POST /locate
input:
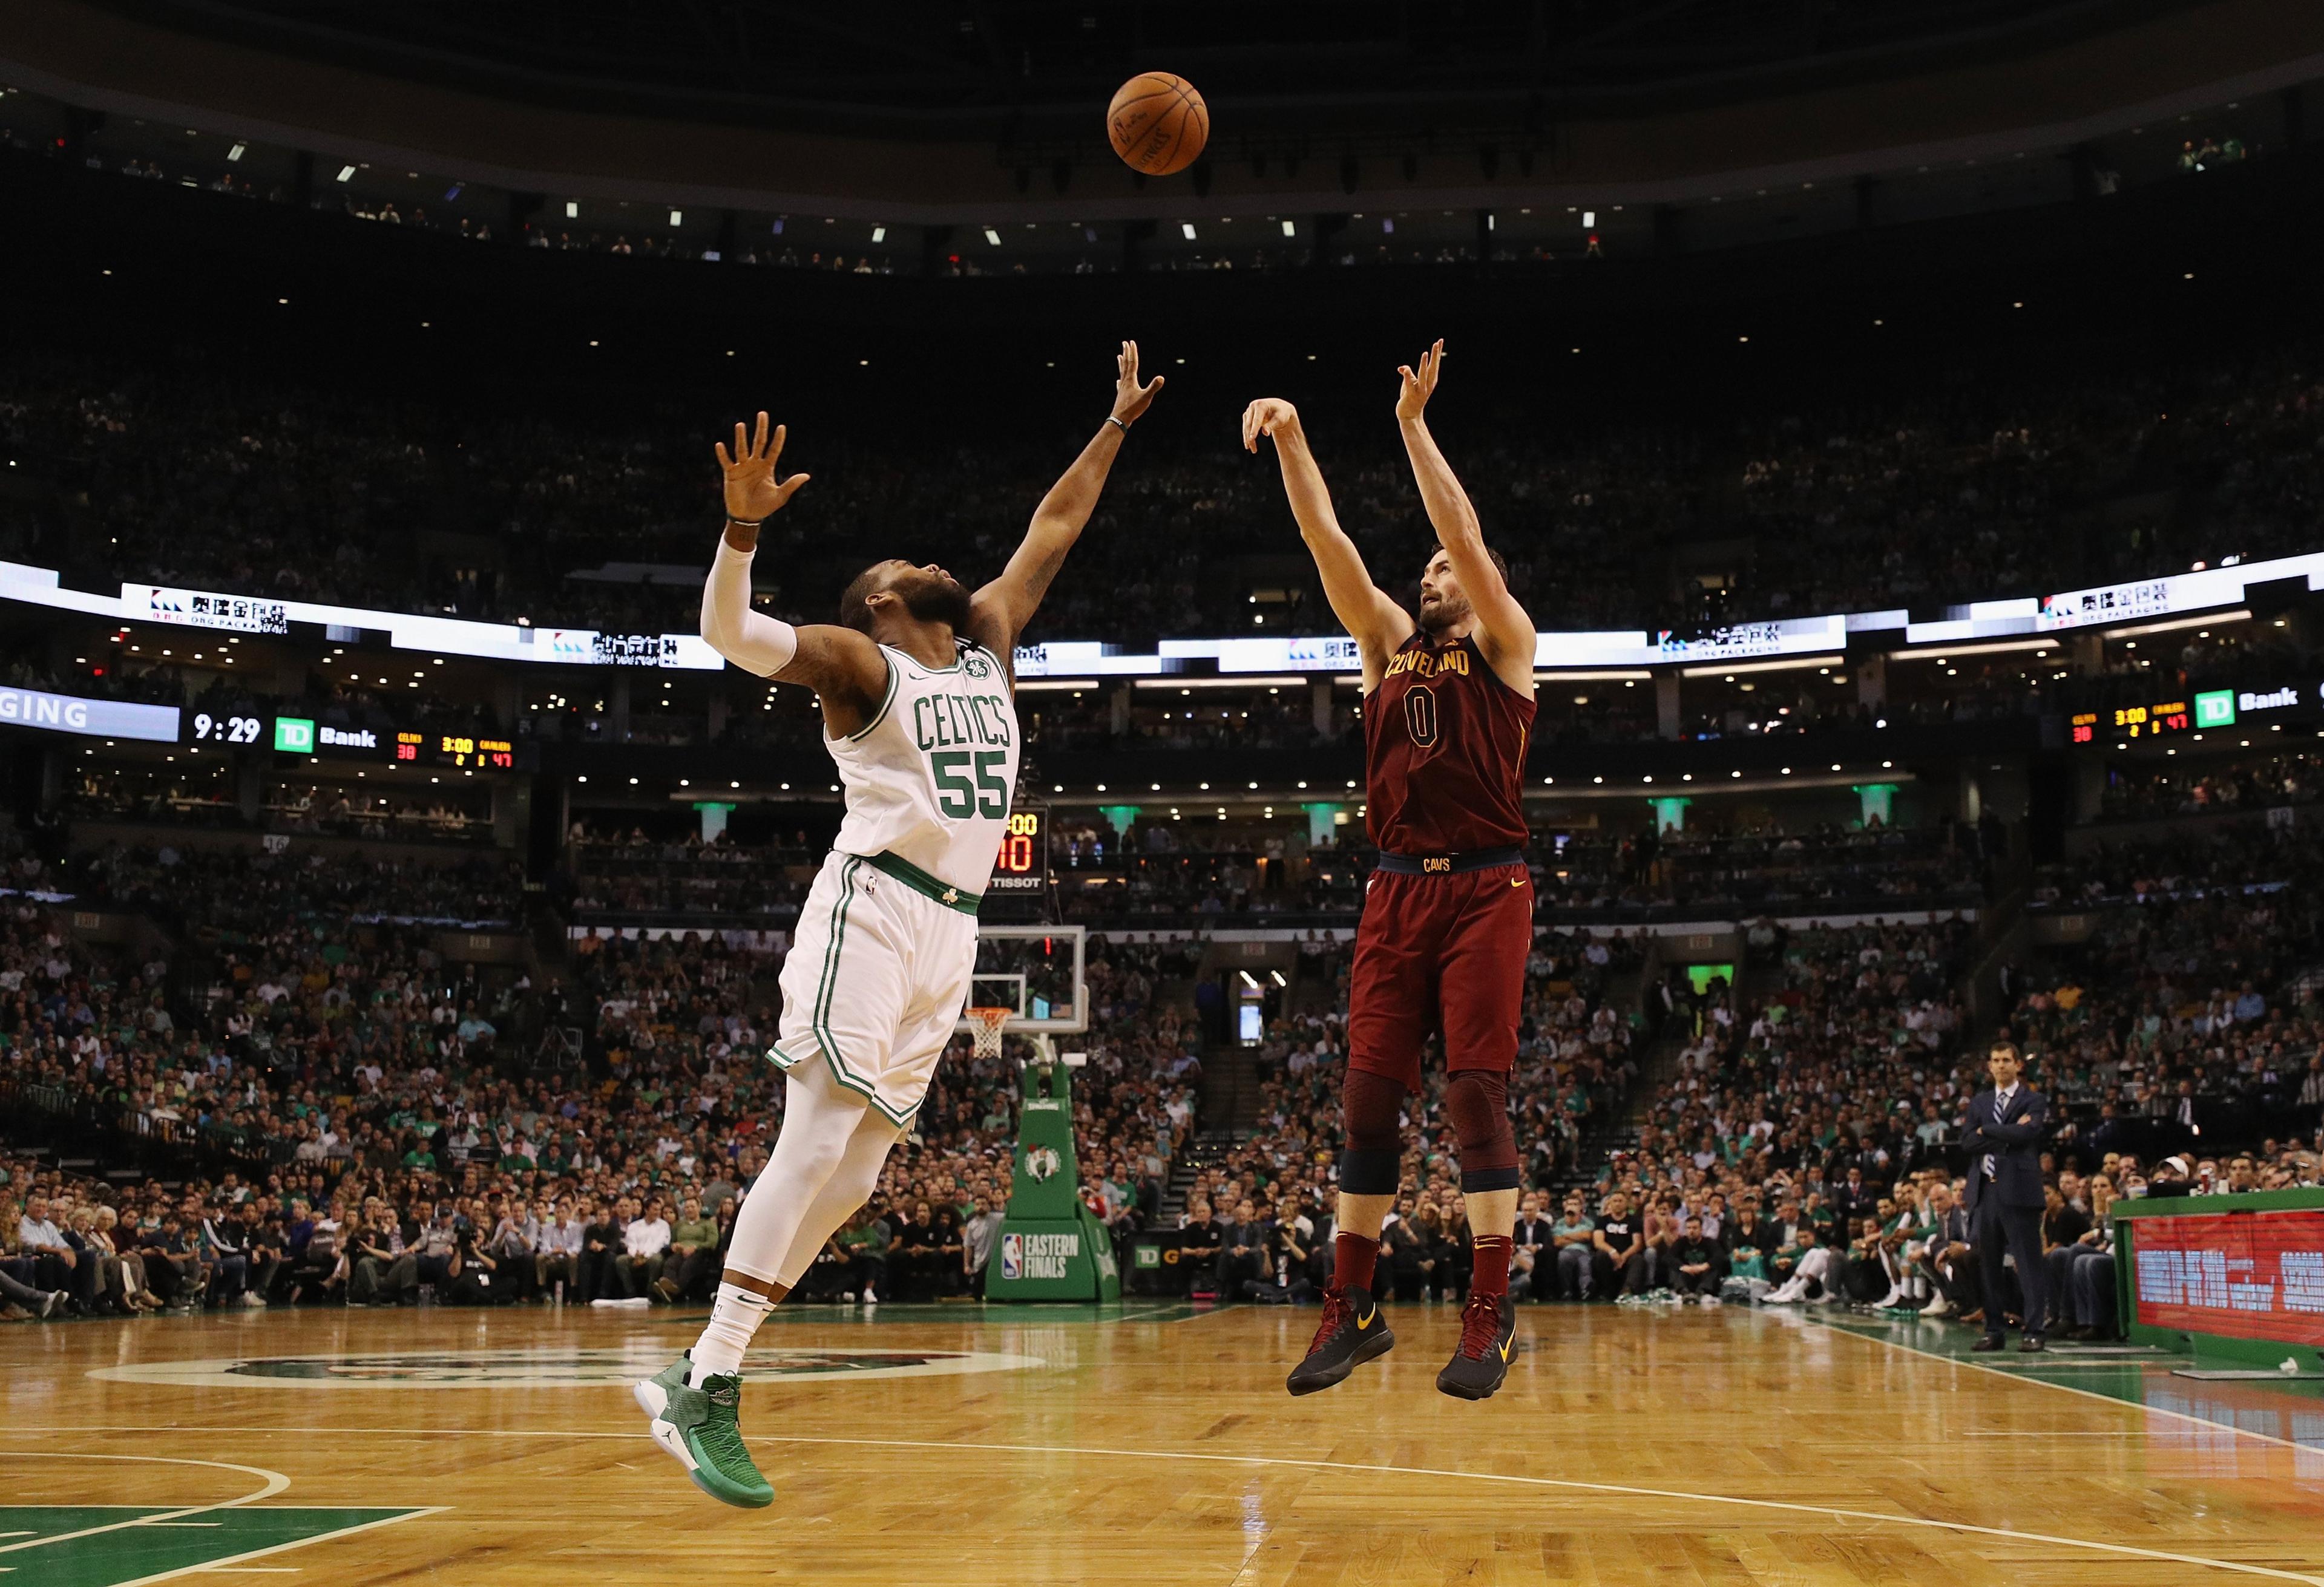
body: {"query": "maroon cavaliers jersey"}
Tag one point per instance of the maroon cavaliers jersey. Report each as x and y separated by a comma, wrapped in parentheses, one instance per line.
(1444, 744)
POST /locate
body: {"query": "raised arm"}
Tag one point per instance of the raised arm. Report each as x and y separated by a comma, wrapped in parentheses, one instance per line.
(999, 611)
(1375, 621)
(1504, 632)
(845, 668)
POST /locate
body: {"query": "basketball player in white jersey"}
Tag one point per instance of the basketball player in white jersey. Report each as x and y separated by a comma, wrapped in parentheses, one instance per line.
(916, 687)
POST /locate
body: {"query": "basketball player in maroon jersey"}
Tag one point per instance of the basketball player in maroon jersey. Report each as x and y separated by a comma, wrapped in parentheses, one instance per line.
(1448, 914)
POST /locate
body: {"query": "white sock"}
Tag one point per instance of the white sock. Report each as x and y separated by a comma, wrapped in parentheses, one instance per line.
(733, 1321)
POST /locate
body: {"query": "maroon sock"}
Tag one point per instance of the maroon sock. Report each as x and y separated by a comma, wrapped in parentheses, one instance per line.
(1489, 1272)
(1352, 1256)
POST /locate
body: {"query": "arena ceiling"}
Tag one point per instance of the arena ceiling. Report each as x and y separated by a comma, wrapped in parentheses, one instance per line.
(985, 112)
(909, 63)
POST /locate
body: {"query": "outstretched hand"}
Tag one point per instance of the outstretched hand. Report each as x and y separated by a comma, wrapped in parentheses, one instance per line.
(1264, 418)
(1419, 388)
(753, 490)
(1129, 399)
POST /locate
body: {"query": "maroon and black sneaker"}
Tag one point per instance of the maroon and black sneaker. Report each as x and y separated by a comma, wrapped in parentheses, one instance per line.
(1353, 1331)
(1487, 1331)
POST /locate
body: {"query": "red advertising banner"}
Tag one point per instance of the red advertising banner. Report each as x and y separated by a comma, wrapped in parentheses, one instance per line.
(2251, 1275)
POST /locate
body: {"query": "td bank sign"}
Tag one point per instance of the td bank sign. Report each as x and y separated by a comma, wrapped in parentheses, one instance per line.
(2221, 708)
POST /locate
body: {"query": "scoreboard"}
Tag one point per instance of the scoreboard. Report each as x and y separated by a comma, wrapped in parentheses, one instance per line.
(2152, 722)
(458, 749)
(298, 735)
(1022, 864)
(2133, 721)
(2282, 701)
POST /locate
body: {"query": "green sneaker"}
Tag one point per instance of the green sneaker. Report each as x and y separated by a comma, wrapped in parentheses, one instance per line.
(701, 1429)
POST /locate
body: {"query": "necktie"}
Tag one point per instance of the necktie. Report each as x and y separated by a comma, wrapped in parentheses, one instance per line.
(2000, 1101)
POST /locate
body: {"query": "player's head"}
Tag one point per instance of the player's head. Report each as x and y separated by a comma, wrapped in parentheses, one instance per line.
(897, 589)
(1443, 603)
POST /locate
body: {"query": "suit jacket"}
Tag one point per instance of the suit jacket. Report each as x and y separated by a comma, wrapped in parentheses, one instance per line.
(2014, 1138)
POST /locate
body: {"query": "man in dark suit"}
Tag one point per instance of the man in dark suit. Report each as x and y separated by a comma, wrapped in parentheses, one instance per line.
(1244, 1251)
(2004, 1193)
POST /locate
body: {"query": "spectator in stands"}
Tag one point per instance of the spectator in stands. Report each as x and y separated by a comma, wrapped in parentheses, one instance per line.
(1816, 1270)
(1947, 1261)
(55, 1264)
(1530, 1248)
(225, 1252)
(1697, 1264)
(317, 1265)
(1621, 1261)
(1745, 1238)
(173, 1266)
(384, 1270)
(601, 1242)
(2085, 1273)
(693, 1249)
(19, 1267)
(978, 1236)
(948, 1271)
(557, 1249)
(862, 1246)
(124, 1270)
(1574, 1237)
(1243, 1251)
(645, 1248)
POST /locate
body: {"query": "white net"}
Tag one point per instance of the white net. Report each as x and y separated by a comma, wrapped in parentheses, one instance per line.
(985, 1028)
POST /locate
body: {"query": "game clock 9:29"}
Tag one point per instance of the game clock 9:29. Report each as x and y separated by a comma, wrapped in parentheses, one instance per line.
(224, 729)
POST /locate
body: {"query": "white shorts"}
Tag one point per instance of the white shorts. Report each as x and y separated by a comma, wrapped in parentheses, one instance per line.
(875, 983)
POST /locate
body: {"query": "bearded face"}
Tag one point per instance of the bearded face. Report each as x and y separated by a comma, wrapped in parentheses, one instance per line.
(1444, 604)
(932, 596)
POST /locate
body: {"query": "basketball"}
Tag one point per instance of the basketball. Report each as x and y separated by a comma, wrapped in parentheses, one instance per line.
(1158, 124)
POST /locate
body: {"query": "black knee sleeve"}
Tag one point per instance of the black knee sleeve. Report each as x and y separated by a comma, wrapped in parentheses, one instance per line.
(1479, 1103)
(1371, 1104)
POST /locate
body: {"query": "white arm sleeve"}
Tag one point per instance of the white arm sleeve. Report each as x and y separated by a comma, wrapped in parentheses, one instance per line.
(754, 642)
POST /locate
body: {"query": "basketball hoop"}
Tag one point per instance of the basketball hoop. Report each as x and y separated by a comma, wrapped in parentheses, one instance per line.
(984, 1026)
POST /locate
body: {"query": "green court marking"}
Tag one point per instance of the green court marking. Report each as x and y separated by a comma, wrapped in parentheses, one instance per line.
(62, 1545)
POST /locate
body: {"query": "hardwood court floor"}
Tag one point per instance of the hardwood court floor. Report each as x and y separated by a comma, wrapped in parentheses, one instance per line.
(1149, 1444)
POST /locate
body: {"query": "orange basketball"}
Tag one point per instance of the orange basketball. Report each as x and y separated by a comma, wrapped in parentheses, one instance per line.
(1158, 123)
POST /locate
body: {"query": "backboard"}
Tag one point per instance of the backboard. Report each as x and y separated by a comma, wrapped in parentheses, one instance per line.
(1038, 971)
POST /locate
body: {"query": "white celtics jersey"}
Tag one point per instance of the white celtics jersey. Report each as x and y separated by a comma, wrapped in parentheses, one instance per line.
(930, 777)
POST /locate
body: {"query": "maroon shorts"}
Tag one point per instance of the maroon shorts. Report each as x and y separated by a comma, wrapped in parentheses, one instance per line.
(1440, 952)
